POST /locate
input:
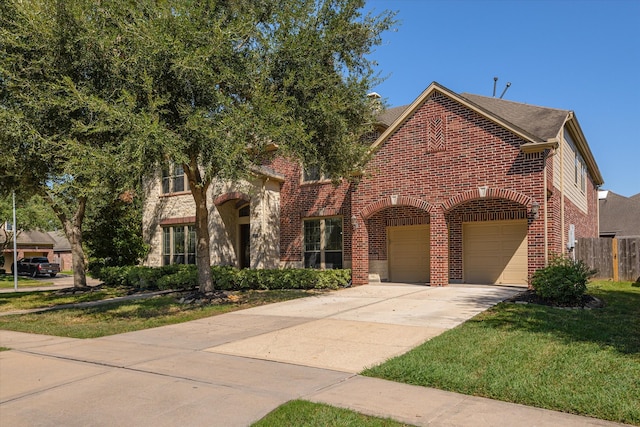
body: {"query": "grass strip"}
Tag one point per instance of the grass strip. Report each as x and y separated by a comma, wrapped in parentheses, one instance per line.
(7, 282)
(12, 301)
(584, 362)
(308, 414)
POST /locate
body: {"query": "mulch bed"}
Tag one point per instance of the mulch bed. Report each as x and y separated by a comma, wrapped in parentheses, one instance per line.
(530, 297)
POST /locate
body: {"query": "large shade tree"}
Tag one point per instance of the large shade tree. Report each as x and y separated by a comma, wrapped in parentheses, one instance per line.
(62, 118)
(217, 81)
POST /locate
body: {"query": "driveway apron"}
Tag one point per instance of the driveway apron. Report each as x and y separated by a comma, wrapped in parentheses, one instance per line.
(230, 369)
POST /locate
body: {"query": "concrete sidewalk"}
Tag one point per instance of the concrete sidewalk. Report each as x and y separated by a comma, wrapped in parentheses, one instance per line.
(232, 369)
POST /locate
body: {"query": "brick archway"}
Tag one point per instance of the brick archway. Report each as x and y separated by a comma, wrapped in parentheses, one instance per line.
(392, 201)
(235, 195)
(490, 193)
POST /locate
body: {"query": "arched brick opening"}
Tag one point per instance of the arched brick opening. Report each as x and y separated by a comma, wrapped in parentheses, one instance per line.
(368, 241)
(392, 201)
(489, 193)
(494, 204)
(234, 195)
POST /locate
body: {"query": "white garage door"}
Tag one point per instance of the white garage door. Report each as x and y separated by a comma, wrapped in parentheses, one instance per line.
(495, 252)
(408, 253)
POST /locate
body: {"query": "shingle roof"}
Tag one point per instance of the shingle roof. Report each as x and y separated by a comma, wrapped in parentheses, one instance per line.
(542, 122)
(388, 116)
(61, 242)
(619, 215)
(33, 238)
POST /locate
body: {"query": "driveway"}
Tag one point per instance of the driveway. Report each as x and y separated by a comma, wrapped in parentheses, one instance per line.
(234, 368)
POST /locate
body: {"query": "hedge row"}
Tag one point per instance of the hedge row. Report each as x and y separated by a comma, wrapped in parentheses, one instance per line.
(178, 276)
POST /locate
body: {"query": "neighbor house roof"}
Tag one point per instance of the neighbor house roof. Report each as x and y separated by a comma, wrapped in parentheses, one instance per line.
(61, 242)
(33, 238)
(619, 215)
(539, 126)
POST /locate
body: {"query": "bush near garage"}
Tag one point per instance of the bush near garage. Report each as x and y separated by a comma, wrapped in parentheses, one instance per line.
(180, 276)
(563, 281)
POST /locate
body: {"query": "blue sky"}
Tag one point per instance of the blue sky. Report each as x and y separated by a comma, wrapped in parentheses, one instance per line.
(579, 55)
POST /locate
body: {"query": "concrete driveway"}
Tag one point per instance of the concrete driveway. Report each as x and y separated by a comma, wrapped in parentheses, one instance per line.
(232, 369)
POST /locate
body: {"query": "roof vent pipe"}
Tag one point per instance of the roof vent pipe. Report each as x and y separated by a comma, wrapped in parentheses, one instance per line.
(505, 89)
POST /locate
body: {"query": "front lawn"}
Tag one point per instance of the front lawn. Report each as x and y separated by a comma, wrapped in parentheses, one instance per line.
(303, 413)
(579, 361)
(126, 316)
(6, 282)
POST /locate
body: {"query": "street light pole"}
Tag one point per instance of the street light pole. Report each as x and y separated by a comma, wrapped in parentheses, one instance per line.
(15, 246)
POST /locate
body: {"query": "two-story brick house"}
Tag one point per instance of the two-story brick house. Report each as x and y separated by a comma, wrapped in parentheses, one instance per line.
(460, 189)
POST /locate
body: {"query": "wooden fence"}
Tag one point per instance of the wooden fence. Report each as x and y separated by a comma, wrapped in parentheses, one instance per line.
(617, 259)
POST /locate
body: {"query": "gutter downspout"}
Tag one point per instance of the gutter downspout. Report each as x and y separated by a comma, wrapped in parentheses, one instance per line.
(551, 153)
(562, 237)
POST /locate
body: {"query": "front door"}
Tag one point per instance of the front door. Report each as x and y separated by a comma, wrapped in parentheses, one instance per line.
(245, 246)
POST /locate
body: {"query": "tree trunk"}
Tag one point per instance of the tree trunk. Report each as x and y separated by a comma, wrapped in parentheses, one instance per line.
(203, 259)
(73, 232)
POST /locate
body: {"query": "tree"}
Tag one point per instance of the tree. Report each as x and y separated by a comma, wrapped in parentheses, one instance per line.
(61, 117)
(114, 232)
(31, 214)
(217, 81)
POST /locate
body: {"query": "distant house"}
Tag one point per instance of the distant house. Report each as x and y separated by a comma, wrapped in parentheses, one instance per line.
(61, 250)
(29, 244)
(619, 215)
(460, 188)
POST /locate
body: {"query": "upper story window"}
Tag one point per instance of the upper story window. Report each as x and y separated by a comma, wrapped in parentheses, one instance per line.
(311, 173)
(174, 180)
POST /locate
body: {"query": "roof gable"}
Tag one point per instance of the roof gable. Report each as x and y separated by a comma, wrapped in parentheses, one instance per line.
(537, 126)
(403, 113)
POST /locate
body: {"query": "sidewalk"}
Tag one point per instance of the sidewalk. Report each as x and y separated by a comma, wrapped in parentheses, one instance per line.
(232, 369)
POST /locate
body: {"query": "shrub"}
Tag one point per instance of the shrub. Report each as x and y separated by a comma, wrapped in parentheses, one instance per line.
(184, 278)
(563, 280)
(180, 276)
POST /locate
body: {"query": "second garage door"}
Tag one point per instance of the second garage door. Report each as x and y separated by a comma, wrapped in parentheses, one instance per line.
(409, 253)
(495, 252)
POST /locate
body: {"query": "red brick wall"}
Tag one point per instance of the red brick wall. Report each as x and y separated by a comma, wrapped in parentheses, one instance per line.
(299, 200)
(444, 150)
(434, 162)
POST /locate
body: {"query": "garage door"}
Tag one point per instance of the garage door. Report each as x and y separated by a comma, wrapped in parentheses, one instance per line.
(408, 253)
(495, 252)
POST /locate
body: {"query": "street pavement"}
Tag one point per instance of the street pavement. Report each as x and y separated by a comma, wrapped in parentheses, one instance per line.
(233, 369)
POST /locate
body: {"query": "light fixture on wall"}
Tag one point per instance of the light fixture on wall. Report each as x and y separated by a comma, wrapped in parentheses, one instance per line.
(535, 208)
(354, 221)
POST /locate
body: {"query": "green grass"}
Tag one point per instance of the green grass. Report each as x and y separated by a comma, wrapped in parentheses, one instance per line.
(303, 413)
(6, 282)
(578, 361)
(12, 301)
(127, 316)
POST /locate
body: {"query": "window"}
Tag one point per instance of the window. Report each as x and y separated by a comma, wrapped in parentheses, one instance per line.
(174, 180)
(311, 173)
(179, 245)
(323, 243)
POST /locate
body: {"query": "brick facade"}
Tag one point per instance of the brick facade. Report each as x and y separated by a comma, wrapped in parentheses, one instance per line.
(445, 162)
